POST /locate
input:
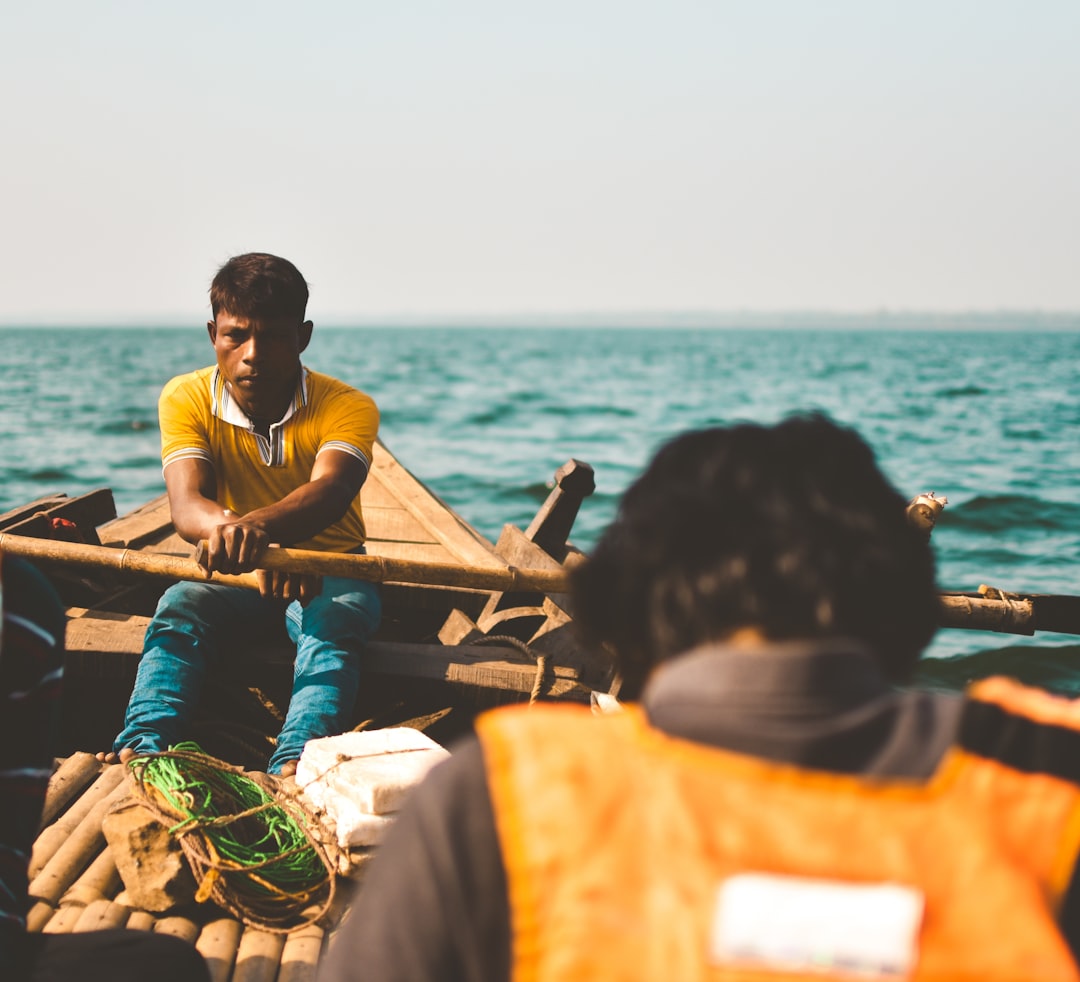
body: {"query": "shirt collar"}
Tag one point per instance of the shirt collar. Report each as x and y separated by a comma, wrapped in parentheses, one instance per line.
(824, 705)
(839, 670)
(749, 698)
(224, 406)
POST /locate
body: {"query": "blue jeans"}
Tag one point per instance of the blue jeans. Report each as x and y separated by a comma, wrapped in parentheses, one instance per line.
(198, 624)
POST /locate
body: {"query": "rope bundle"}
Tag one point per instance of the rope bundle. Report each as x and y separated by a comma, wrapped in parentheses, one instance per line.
(251, 852)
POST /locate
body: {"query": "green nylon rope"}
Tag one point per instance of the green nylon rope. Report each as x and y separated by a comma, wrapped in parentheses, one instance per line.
(248, 852)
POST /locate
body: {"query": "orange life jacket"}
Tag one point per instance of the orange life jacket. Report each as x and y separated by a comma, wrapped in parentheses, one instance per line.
(620, 841)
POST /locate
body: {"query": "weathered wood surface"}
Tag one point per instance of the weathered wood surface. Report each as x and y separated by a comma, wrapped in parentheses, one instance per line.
(550, 529)
(78, 517)
(396, 495)
(62, 829)
(119, 638)
(988, 614)
(1010, 613)
(71, 778)
(379, 569)
(75, 852)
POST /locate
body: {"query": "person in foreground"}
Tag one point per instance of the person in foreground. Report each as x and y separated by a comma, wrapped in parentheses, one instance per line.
(31, 677)
(772, 800)
(259, 450)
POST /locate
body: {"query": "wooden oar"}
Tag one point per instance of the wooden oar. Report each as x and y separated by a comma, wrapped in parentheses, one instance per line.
(381, 569)
(377, 569)
(1015, 614)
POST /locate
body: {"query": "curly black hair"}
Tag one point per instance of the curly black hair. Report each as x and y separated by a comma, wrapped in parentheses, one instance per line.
(791, 529)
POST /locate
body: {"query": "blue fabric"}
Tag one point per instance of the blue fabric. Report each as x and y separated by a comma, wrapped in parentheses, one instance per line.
(198, 624)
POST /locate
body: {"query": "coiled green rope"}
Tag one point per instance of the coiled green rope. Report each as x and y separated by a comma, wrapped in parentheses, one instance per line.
(251, 852)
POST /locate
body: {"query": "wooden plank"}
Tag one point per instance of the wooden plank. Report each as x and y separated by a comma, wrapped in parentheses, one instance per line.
(376, 494)
(86, 512)
(99, 630)
(24, 512)
(464, 542)
(420, 552)
(150, 522)
(395, 525)
(485, 666)
(171, 545)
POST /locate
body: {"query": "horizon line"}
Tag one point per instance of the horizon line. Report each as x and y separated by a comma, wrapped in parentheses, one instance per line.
(658, 318)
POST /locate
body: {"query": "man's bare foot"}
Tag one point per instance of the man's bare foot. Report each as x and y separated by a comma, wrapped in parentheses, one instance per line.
(110, 757)
(288, 769)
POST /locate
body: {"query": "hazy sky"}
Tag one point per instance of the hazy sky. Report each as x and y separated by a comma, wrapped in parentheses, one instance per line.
(447, 158)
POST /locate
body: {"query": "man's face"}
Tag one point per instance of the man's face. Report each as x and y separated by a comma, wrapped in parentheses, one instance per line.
(260, 360)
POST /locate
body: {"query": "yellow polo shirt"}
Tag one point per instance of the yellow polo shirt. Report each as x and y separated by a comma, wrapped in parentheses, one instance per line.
(199, 419)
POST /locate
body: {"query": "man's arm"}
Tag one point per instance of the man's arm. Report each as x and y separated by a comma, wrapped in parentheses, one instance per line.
(236, 543)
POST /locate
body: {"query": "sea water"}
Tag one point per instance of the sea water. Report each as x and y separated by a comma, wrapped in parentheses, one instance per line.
(484, 416)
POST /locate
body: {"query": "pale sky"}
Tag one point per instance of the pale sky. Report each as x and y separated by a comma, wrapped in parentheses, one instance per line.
(444, 159)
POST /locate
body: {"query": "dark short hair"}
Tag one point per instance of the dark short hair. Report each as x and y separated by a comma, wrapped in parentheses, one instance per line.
(791, 529)
(258, 285)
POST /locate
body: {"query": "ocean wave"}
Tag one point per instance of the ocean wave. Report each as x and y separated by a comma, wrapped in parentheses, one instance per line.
(841, 368)
(961, 392)
(1054, 668)
(588, 411)
(1004, 512)
(120, 427)
(1011, 433)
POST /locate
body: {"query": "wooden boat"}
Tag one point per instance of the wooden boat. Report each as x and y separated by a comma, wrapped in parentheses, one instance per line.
(445, 651)
(448, 647)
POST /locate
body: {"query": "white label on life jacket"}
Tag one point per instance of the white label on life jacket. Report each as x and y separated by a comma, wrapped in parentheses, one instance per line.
(794, 924)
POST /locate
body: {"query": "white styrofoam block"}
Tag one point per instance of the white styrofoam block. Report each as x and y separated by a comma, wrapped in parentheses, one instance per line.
(370, 769)
(355, 828)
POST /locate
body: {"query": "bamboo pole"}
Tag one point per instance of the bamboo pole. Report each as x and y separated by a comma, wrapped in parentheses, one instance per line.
(378, 569)
(217, 943)
(140, 920)
(64, 920)
(383, 569)
(1015, 615)
(300, 956)
(39, 914)
(258, 956)
(178, 926)
(101, 915)
(69, 780)
(75, 854)
(101, 880)
(54, 836)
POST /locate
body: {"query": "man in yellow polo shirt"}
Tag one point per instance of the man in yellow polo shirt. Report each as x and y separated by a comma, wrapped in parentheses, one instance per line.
(258, 449)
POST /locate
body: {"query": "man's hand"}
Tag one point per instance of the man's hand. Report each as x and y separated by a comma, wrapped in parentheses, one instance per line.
(281, 585)
(234, 547)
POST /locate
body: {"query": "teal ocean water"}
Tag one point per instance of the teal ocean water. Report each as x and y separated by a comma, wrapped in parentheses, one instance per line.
(484, 416)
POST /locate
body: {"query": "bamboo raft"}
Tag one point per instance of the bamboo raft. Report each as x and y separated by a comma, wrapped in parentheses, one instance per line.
(467, 625)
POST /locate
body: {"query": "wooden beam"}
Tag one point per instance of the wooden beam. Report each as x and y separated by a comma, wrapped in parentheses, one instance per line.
(117, 637)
